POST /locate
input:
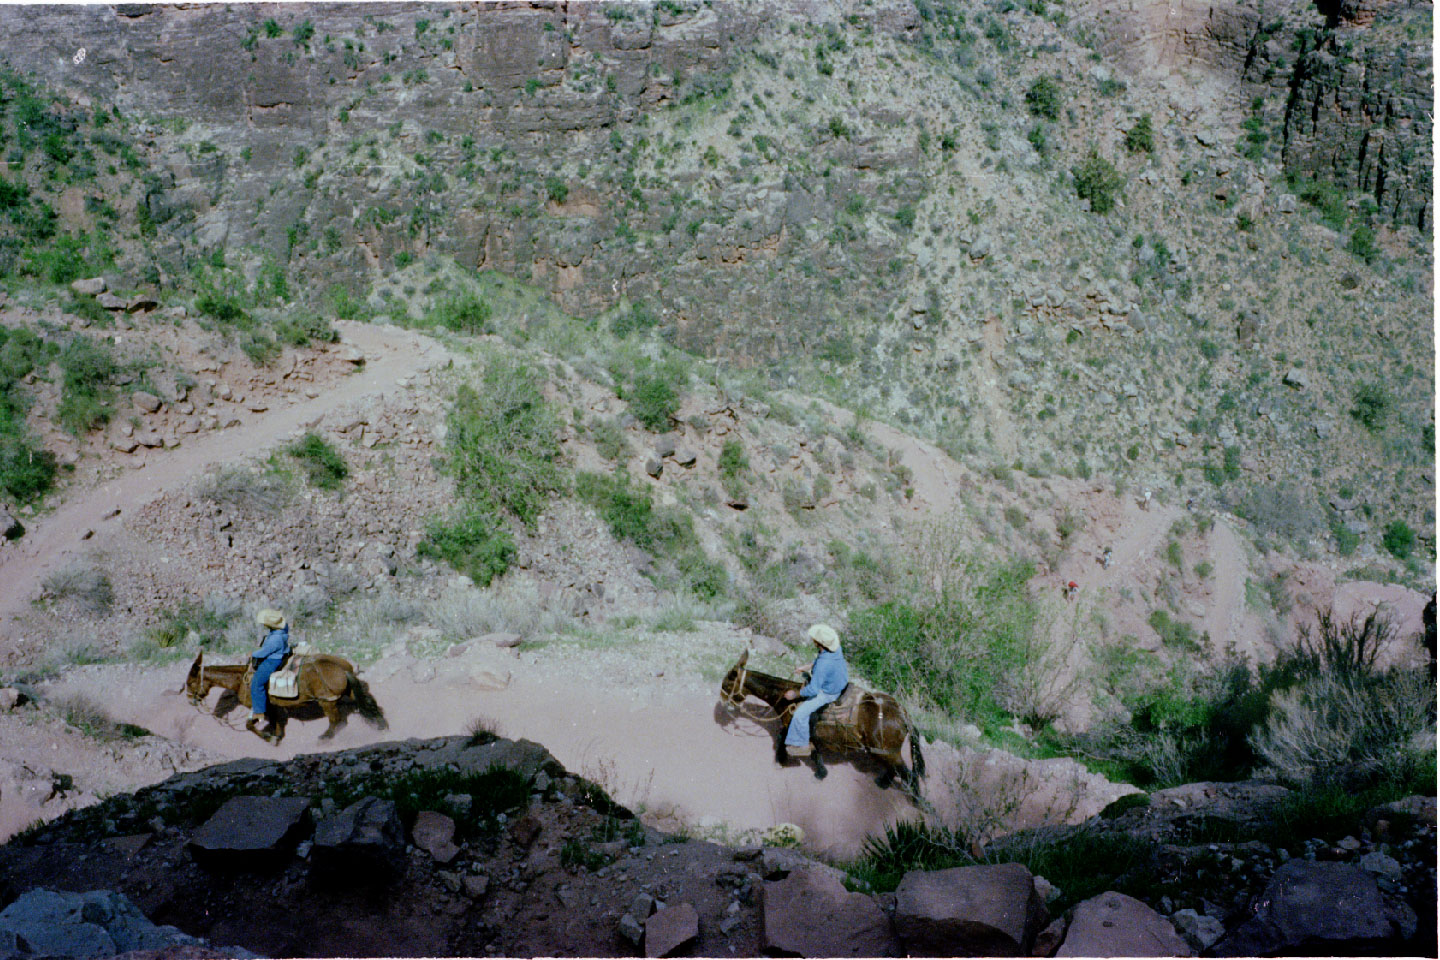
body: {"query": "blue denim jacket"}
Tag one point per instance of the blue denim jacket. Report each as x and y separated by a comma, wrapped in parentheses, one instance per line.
(277, 644)
(828, 675)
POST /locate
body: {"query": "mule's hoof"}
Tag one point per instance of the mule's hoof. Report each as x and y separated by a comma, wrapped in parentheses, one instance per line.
(821, 773)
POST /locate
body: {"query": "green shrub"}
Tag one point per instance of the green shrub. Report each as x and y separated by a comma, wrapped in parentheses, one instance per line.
(556, 189)
(346, 305)
(1097, 180)
(462, 312)
(1141, 137)
(261, 348)
(952, 651)
(1372, 406)
(610, 440)
(502, 444)
(654, 401)
(637, 318)
(178, 623)
(324, 466)
(88, 369)
(474, 543)
(1043, 98)
(299, 330)
(1174, 633)
(732, 464)
(1362, 244)
(90, 309)
(1346, 540)
(1399, 539)
(905, 216)
(63, 261)
(629, 513)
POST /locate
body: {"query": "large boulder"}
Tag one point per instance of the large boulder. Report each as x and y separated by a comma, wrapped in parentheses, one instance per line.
(435, 834)
(811, 914)
(671, 930)
(365, 841)
(246, 831)
(1114, 925)
(990, 910)
(1315, 907)
(45, 923)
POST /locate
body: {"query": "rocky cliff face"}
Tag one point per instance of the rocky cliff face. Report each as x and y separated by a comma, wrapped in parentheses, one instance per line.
(1350, 84)
(340, 138)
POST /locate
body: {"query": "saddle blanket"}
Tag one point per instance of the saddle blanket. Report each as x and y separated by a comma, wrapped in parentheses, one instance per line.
(284, 682)
(839, 716)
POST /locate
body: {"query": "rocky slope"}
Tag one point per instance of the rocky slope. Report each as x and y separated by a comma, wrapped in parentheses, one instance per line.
(481, 847)
(857, 182)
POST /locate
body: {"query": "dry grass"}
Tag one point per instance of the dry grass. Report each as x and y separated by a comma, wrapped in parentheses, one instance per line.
(1334, 720)
(83, 584)
(246, 489)
(512, 606)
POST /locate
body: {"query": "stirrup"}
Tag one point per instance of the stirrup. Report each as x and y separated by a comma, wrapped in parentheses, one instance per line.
(798, 753)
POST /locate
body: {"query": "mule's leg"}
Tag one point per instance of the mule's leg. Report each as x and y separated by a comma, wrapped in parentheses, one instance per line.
(277, 729)
(887, 776)
(781, 757)
(820, 771)
(332, 713)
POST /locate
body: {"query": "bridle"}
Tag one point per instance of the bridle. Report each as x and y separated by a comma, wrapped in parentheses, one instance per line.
(735, 701)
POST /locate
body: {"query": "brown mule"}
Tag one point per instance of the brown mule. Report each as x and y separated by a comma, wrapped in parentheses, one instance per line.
(322, 679)
(875, 725)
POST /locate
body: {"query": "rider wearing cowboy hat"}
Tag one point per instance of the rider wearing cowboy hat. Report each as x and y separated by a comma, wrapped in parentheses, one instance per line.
(828, 677)
(272, 652)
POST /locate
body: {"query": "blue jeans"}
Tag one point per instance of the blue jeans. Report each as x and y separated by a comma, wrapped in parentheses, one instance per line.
(799, 733)
(259, 685)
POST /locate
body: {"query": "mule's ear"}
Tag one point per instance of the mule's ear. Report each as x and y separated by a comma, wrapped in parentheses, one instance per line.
(743, 657)
(199, 656)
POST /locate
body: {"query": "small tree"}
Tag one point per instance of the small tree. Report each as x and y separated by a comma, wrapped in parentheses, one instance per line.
(1097, 180)
(1141, 137)
(1043, 98)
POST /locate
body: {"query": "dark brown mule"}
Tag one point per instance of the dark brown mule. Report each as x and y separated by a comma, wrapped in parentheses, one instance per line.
(322, 680)
(879, 726)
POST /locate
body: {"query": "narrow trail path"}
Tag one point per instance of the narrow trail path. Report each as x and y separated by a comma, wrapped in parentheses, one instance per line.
(391, 354)
(661, 748)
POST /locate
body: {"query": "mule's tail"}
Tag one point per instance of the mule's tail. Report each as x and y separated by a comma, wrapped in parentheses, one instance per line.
(917, 759)
(369, 707)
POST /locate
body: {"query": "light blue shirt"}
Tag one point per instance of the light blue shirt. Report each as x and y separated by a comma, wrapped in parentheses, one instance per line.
(828, 675)
(276, 644)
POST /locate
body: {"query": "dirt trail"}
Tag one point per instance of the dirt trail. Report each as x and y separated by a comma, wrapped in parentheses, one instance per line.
(661, 748)
(392, 354)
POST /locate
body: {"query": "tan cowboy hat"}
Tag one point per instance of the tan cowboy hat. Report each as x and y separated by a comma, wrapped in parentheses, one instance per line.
(825, 636)
(273, 619)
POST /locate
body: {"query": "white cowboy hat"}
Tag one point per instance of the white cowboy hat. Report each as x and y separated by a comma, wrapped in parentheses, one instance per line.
(273, 619)
(826, 636)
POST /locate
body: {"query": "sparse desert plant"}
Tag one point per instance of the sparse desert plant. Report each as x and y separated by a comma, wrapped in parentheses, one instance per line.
(83, 584)
(247, 489)
(1336, 720)
(324, 466)
(1372, 406)
(610, 440)
(482, 730)
(87, 716)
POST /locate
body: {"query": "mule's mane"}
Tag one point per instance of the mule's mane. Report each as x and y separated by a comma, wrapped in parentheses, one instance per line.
(767, 686)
